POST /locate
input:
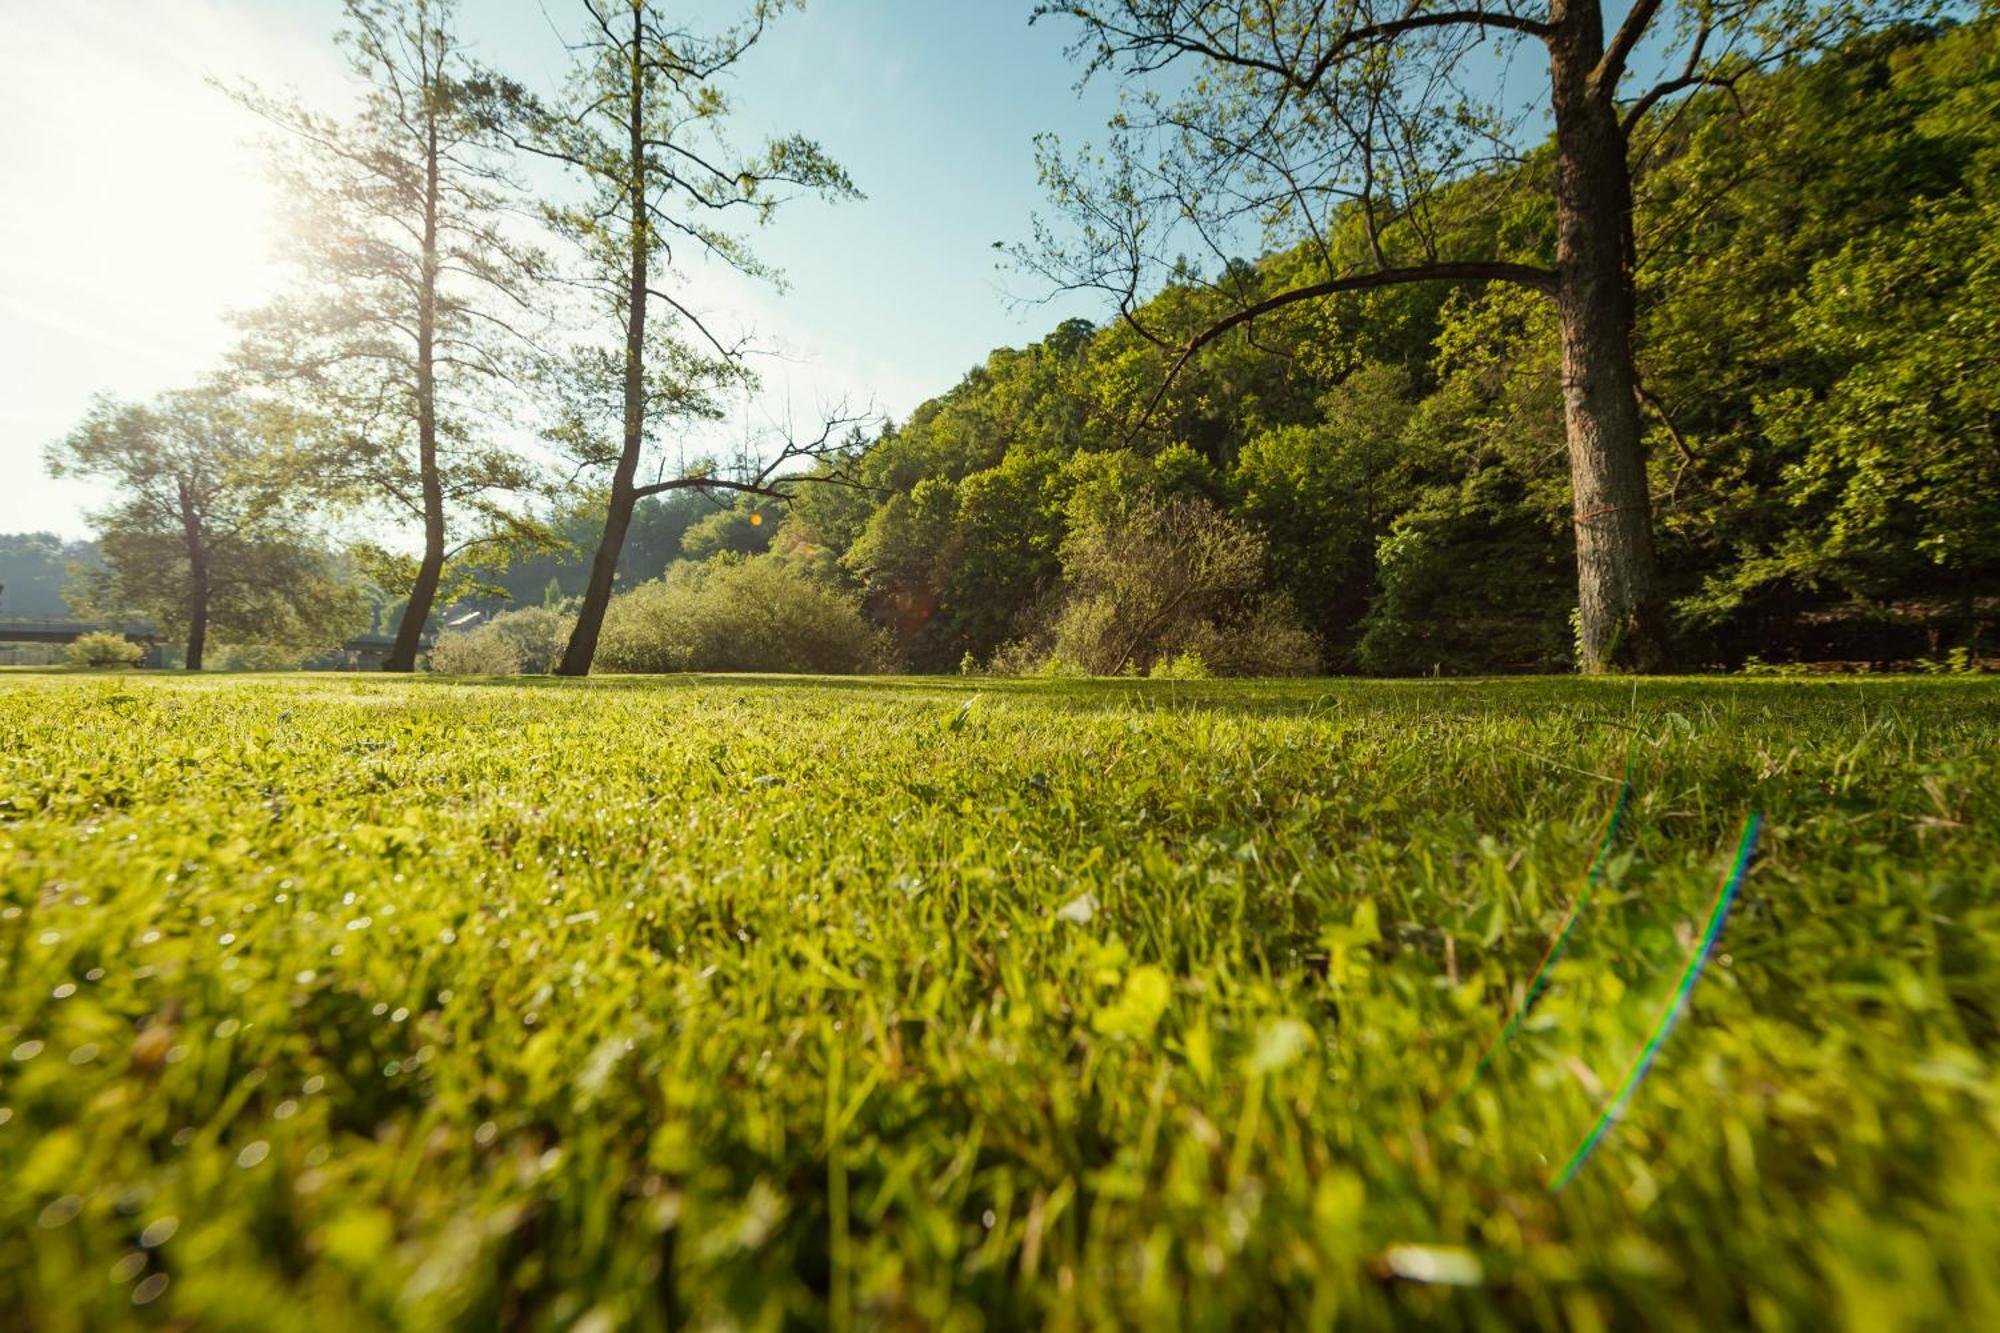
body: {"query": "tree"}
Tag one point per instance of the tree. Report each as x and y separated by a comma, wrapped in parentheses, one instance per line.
(642, 124)
(33, 569)
(409, 320)
(210, 530)
(1348, 130)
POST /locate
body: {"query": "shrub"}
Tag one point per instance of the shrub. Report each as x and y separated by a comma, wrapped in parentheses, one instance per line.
(474, 652)
(1266, 638)
(762, 613)
(537, 634)
(1143, 582)
(101, 648)
(529, 639)
(1172, 582)
(1185, 665)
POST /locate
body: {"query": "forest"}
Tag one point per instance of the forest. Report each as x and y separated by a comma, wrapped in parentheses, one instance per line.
(1372, 483)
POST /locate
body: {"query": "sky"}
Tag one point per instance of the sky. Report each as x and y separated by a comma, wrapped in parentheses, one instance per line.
(135, 213)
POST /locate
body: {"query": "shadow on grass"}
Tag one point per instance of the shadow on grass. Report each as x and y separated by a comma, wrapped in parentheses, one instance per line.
(1326, 695)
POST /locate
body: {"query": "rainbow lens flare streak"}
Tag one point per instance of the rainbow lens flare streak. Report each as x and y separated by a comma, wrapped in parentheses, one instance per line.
(1539, 979)
(1746, 846)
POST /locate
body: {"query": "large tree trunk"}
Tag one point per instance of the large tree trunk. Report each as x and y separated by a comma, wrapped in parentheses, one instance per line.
(582, 646)
(430, 571)
(1623, 622)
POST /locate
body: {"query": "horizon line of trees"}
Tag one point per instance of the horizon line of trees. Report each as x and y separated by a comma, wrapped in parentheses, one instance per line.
(1705, 377)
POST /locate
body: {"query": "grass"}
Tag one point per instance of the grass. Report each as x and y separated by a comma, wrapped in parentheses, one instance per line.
(339, 1002)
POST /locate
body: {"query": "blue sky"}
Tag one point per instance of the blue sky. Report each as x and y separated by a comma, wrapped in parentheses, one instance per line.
(135, 215)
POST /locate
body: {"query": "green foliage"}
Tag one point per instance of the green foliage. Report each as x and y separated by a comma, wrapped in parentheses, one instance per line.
(102, 648)
(360, 1003)
(761, 613)
(743, 529)
(529, 640)
(1815, 309)
(34, 567)
(212, 529)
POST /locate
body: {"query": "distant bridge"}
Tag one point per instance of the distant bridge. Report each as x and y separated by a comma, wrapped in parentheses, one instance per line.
(69, 631)
(365, 652)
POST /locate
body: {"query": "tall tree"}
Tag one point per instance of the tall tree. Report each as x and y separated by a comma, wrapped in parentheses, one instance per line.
(210, 531)
(642, 122)
(410, 316)
(1352, 129)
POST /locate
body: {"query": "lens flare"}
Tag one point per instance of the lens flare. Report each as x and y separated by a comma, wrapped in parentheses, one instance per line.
(1746, 847)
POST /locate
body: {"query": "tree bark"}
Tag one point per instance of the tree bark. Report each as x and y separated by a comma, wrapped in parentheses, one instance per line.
(1621, 615)
(430, 571)
(582, 646)
(199, 587)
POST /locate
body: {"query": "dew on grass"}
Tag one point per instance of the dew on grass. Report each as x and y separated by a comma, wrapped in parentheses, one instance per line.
(159, 1231)
(313, 1084)
(64, 991)
(59, 1212)
(253, 1154)
(128, 1267)
(150, 1290)
(95, 974)
(183, 1136)
(83, 1054)
(27, 1050)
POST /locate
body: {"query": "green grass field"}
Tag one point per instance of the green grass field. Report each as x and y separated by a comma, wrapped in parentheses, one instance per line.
(330, 1002)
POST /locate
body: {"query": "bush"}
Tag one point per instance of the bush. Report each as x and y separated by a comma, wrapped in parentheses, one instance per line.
(474, 652)
(1169, 582)
(1143, 582)
(1268, 638)
(1187, 665)
(537, 634)
(101, 648)
(762, 613)
(530, 639)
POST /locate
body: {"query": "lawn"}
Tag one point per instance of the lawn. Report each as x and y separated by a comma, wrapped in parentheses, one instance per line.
(330, 1002)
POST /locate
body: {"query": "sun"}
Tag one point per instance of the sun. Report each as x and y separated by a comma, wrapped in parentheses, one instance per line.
(142, 211)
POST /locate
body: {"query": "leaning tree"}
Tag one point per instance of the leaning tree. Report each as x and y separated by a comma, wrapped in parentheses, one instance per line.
(642, 123)
(1348, 131)
(417, 295)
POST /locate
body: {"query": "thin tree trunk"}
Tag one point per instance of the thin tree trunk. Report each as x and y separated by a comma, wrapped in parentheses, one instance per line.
(430, 571)
(582, 646)
(1622, 618)
(199, 588)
